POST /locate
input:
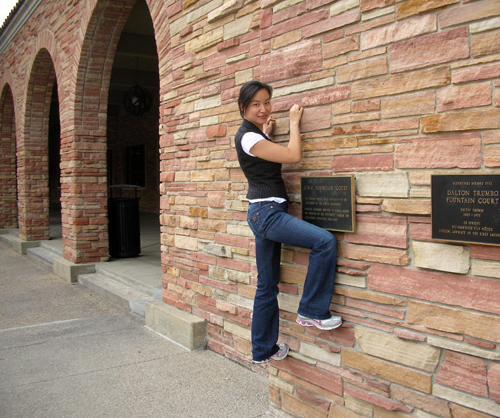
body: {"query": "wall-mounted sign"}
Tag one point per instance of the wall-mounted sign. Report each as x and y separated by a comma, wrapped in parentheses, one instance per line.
(328, 202)
(466, 208)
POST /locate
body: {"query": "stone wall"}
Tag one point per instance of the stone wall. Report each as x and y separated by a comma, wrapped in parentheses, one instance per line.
(393, 92)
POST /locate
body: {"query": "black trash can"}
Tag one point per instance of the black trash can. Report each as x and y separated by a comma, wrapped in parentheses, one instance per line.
(124, 224)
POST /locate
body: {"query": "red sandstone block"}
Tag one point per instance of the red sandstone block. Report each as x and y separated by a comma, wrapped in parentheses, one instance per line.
(485, 72)
(324, 96)
(289, 13)
(379, 162)
(216, 131)
(295, 23)
(232, 240)
(443, 151)
(428, 50)
(311, 374)
(316, 118)
(366, 5)
(378, 400)
(234, 264)
(485, 252)
(386, 231)
(332, 23)
(302, 58)
(494, 382)
(475, 11)
(463, 372)
(450, 289)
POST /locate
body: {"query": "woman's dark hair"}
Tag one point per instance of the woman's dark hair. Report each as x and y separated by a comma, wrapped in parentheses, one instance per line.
(247, 91)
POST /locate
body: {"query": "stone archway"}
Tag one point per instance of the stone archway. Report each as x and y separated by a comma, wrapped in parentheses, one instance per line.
(33, 151)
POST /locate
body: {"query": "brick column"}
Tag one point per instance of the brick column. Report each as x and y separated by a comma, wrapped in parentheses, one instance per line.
(8, 189)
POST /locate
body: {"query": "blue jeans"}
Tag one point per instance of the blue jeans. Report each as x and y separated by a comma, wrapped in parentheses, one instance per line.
(272, 226)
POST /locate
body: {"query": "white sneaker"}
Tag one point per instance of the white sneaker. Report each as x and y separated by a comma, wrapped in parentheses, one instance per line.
(324, 324)
(280, 355)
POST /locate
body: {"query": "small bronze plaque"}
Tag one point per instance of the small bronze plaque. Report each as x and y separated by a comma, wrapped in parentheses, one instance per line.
(328, 202)
(466, 208)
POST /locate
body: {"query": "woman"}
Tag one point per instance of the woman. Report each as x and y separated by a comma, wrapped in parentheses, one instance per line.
(261, 160)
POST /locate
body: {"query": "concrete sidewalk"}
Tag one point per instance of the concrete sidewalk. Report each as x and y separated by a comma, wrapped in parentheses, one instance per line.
(68, 352)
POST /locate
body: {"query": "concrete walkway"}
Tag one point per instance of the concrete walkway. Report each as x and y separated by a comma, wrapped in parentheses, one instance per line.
(67, 352)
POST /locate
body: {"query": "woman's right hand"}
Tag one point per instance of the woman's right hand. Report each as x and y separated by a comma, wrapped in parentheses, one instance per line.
(296, 114)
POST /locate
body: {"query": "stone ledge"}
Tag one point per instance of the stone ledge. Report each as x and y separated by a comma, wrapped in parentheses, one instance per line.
(184, 328)
(69, 271)
(21, 246)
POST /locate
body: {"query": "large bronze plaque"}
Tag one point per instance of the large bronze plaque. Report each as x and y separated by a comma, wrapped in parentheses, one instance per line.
(328, 202)
(466, 208)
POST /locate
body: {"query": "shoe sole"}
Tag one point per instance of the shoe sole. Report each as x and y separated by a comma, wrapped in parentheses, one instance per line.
(308, 324)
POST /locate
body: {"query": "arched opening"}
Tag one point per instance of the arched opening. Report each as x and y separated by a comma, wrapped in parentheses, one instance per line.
(33, 147)
(132, 128)
(8, 180)
(55, 167)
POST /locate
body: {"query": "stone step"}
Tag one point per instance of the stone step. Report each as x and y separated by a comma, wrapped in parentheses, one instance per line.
(118, 292)
(136, 278)
(43, 255)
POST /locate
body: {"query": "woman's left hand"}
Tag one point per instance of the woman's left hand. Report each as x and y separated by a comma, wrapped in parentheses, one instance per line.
(269, 125)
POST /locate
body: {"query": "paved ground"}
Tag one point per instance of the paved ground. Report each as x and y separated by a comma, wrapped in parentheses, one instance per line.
(67, 352)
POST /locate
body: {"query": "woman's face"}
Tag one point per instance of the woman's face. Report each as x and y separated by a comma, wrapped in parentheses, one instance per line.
(259, 109)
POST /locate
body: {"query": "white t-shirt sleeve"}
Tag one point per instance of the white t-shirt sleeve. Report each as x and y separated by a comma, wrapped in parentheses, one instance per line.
(249, 140)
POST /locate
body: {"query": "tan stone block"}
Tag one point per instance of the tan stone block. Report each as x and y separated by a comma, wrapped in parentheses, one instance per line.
(419, 103)
(415, 7)
(382, 185)
(398, 31)
(474, 402)
(463, 120)
(369, 296)
(186, 243)
(280, 384)
(239, 331)
(458, 97)
(350, 280)
(462, 412)
(237, 27)
(362, 69)
(386, 370)
(300, 408)
(401, 83)
(491, 155)
(293, 274)
(443, 257)
(357, 405)
(391, 348)
(486, 268)
(375, 254)
(317, 353)
(379, 412)
(339, 411)
(240, 301)
(462, 348)
(407, 206)
(205, 41)
(340, 47)
(286, 39)
(486, 327)
(288, 302)
(485, 25)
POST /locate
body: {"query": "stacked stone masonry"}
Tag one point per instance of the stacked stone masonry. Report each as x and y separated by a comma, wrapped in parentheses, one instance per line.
(393, 92)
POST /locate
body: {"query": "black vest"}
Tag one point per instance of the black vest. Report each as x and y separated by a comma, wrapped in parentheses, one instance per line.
(264, 177)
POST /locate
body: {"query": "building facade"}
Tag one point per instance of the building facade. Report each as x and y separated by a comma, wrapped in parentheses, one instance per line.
(393, 91)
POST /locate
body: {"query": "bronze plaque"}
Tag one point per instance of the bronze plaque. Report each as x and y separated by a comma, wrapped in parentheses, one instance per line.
(328, 202)
(466, 208)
